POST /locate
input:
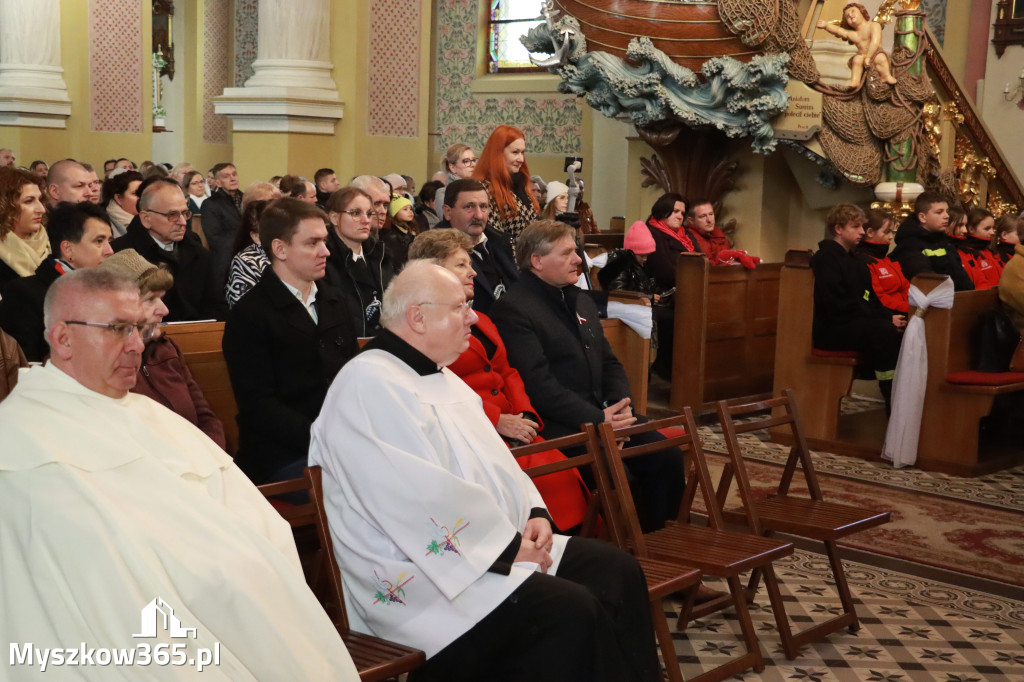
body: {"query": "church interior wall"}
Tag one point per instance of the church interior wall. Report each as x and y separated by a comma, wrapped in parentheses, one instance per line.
(1004, 119)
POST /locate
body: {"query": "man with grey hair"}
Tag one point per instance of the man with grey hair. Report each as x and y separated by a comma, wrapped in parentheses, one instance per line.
(121, 503)
(444, 543)
(160, 236)
(555, 340)
(379, 194)
(67, 180)
(6, 157)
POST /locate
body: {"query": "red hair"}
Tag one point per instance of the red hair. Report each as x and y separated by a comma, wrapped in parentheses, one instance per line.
(490, 167)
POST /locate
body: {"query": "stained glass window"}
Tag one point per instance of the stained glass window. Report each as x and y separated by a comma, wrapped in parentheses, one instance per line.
(511, 19)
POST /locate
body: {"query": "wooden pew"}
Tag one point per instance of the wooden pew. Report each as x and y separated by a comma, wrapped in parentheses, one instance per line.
(725, 327)
(632, 350)
(819, 379)
(200, 344)
(957, 398)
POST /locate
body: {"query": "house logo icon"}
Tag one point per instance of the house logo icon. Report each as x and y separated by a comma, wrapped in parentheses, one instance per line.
(159, 614)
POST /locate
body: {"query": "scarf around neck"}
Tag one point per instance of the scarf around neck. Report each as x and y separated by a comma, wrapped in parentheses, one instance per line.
(25, 255)
(679, 235)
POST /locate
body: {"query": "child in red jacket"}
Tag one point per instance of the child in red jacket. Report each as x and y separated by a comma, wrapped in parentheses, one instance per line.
(980, 262)
(887, 279)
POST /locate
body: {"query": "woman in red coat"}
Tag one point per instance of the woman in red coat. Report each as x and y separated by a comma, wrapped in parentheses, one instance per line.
(484, 367)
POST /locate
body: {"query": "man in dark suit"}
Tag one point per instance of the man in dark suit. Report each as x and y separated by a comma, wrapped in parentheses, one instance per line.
(160, 236)
(284, 341)
(466, 209)
(222, 215)
(554, 338)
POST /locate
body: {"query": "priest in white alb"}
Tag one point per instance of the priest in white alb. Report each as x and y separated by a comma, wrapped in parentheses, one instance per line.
(444, 543)
(115, 511)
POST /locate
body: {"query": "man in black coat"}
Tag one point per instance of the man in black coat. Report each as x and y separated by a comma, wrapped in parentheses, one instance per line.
(222, 215)
(555, 340)
(922, 244)
(79, 238)
(162, 238)
(466, 209)
(847, 314)
(284, 342)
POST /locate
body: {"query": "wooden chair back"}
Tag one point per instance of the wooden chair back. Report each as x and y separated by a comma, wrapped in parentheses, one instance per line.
(376, 659)
(586, 460)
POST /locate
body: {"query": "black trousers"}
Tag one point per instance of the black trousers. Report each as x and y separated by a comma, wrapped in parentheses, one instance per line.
(589, 623)
(877, 338)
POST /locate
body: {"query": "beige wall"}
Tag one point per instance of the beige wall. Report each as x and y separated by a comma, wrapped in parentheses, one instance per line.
(1004, 119)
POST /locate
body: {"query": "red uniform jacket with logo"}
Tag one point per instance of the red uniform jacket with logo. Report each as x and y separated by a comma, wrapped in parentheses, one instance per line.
(887, 280)
(982, 265)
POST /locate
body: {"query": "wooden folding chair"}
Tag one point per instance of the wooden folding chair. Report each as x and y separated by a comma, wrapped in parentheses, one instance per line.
(663, 578)
(714, 550)
(376, 659)
(783, 512)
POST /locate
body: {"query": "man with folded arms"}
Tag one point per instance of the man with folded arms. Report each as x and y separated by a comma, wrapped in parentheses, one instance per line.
(444, 543)
(109, 501)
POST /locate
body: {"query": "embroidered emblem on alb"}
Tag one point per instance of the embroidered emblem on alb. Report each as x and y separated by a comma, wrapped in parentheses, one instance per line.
(445, 539)
(390, 592)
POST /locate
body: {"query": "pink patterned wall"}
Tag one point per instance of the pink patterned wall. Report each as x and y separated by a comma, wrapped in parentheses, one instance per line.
(394, 79)
(217, 62)
(117, 67)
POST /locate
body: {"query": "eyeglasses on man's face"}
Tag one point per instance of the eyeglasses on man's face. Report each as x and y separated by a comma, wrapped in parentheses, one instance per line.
(123, 330)
(172, 216)
(463, 308)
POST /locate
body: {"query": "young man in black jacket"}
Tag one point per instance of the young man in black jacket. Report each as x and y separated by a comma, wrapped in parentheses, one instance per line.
(847, 314)
(284, 342)
(922, 244)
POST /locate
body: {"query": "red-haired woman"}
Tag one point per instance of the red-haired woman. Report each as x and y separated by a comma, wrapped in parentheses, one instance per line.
(503, 170)
(23, 239)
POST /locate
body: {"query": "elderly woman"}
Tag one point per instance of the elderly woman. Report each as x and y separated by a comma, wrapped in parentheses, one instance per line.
(119, 198)
(164, 376)
(503, 170)
(23, 239)
(484, 367)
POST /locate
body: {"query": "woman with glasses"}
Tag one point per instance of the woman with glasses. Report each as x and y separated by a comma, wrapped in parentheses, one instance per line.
(503, 170)
(24, 243)
(458, 162)
(119, 198)
(163, 375)
(359, 266)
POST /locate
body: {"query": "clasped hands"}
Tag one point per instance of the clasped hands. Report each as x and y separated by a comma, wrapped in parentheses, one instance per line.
(536, 543)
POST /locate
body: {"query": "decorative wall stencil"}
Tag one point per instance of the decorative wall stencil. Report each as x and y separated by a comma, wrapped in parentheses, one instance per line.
(936, 11)
(116, 66)
(216, 69)
(246, 41)
(394, 79)
(551, 126)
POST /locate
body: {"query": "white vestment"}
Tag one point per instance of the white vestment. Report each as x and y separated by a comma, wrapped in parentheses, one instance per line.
(108, 504)
(422, 496)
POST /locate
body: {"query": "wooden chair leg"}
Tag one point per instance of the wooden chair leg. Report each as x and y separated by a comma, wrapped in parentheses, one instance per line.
(842, 587)
(665, 642)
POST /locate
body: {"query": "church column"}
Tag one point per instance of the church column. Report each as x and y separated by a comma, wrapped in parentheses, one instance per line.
(32, 88)
(292, 90)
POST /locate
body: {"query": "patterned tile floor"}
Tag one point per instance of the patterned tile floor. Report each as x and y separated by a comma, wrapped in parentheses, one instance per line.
(911, 630)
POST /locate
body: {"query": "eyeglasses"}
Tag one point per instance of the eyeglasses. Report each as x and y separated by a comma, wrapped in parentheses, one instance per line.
(173, 216)
(468, 162)
(358, 213)
(123, 329)
(462, 308)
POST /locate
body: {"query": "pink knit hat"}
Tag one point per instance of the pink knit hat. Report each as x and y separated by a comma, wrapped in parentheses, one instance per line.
(638, 239)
